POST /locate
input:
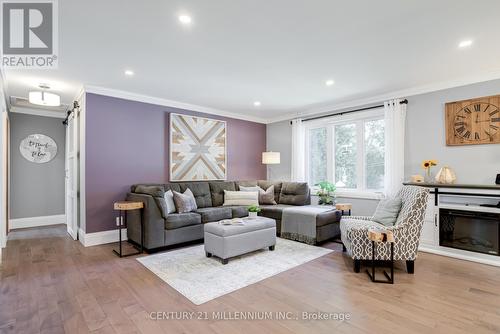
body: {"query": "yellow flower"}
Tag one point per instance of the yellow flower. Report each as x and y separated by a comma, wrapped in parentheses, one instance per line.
(426, 164)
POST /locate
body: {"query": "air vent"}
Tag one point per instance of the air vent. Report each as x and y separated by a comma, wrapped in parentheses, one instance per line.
(21, 102)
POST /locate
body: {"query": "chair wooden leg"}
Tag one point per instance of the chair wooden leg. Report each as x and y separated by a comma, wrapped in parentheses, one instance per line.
(410, 267)
(357, 266)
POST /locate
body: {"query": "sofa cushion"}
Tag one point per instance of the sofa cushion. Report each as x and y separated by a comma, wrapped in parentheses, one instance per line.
(153, 190)
(265, 196)
(172, 186)
(277, 188)
(201, 192)
(178, 220)
(241, 198)
(245, 183)
(134, 187)
(184, 202)
(295, 193)
(217, 191)
(238, 211)
(387, 211)
(273, 211)
(328, 217)
(214, 214)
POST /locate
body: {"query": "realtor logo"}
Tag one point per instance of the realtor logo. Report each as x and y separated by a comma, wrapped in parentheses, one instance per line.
(29, 34)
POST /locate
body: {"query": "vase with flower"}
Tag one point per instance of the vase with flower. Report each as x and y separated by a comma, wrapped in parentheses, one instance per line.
(427, 166)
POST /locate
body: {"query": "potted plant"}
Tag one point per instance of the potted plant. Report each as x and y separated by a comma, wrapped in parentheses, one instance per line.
(326, 193)
(253, 210)
(427, 165)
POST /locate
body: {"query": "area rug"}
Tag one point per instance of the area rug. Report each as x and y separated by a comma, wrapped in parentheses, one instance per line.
(201, 279)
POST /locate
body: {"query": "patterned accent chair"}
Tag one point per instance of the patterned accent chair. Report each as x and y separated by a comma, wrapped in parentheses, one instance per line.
(354, 231)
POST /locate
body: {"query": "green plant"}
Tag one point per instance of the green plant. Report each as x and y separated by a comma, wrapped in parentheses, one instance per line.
(254, 208)
(326, 193)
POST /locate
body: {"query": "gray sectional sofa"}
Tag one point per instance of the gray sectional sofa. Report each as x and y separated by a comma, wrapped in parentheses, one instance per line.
(162, 229)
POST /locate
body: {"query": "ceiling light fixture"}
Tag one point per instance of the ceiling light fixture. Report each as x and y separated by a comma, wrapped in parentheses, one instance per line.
(465, 43)
(129, 73)
(329, 82)
(185, 19)
(257, 103)
(43, 98)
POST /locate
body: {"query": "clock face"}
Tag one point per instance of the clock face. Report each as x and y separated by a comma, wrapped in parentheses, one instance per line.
(477, 122)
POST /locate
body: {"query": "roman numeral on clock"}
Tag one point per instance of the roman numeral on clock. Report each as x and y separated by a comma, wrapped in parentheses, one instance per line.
(459, 123)
(461, 129)
(496, 119)
(494, 127)
(494, 112)
(476, 136)
(467, 134)
(477, 107)
(467, 110)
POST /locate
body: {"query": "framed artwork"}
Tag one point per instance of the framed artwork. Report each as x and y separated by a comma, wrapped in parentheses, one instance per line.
(38, 148)
(197, 148)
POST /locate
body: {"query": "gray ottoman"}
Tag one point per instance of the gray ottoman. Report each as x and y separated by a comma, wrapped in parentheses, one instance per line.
(226, 241)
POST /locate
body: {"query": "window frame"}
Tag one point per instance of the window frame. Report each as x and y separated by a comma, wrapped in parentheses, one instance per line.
(358, 118)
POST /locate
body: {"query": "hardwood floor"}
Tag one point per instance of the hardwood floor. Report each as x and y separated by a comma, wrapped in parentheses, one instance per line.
(52, 284)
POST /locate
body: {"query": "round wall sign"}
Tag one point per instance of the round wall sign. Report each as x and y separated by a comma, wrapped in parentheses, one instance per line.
(38, 148)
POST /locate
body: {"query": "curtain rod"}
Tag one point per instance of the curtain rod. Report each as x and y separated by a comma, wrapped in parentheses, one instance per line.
(350, 111)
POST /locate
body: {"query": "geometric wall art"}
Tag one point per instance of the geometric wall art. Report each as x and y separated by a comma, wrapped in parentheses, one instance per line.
(197, 148)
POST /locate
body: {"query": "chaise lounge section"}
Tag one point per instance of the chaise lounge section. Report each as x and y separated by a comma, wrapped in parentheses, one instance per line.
(163, 229)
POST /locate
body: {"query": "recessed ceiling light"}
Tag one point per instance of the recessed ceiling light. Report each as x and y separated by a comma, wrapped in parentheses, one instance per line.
(329, 82)
(257, 103)
(185, 19)
(465, 43)
(129, 73)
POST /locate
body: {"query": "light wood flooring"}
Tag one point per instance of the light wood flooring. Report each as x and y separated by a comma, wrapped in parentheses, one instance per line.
(52, 284)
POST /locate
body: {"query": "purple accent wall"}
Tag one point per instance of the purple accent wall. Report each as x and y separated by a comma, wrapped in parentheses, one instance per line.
(127, 142)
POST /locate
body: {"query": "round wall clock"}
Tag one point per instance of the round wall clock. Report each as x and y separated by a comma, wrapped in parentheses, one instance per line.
(38, 148)
(473, 121)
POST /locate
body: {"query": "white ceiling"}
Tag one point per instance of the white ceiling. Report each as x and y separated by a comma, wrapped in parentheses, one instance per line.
(279, 52)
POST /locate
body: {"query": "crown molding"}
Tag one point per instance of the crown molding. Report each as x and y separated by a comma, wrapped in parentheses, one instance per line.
(404, 93)
(169, 103)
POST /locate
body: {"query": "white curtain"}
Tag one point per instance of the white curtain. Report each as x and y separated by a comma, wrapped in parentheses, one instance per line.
(298, 151)
(395, 116)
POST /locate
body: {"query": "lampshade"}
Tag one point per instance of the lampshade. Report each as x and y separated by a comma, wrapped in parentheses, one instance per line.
(270, 158)
(42, 98)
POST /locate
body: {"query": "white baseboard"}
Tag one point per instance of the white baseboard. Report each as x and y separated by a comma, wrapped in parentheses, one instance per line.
(491, 260)
(36, 221)
(99, 238)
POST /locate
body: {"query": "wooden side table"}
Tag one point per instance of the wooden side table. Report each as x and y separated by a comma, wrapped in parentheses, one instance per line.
(384, 236)
(344, 207)
(122, 208)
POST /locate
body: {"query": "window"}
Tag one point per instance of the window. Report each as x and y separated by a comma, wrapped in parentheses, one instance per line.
(349, 152)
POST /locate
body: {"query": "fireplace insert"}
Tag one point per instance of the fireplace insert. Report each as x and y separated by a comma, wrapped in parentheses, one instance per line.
(470, 230)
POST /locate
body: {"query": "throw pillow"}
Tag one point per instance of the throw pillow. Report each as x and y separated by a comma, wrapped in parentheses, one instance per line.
(241, 198)
(387, 211)
(169, 200)
(265, 196)
(184, 202)
(155, 191)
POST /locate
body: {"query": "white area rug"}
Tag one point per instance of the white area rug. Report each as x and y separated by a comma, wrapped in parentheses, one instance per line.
(201, 279)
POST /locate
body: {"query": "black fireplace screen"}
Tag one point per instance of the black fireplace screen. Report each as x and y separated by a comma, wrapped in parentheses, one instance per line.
(470, 230)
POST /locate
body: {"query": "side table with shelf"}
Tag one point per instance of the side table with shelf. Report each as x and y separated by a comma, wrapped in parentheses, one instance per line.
(122, 207)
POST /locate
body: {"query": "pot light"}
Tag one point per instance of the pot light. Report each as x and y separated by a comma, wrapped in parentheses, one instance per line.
(465, 43)
(42, 98)
(185, 19)
(329, 82)
(129, 73)
(257, 103)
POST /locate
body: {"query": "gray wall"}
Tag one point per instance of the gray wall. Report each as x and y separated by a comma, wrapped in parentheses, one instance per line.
(36, 189)
(425, 139)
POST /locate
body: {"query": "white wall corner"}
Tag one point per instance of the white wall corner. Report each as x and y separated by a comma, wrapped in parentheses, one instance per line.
(100, 238)
(37, 221)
